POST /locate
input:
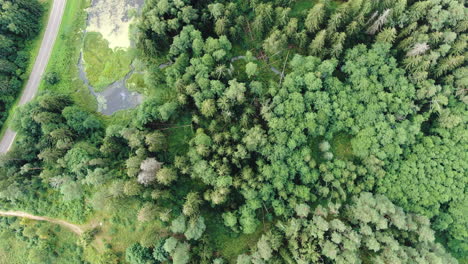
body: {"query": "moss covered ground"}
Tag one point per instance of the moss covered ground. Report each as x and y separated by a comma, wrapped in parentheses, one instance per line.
(104, 65)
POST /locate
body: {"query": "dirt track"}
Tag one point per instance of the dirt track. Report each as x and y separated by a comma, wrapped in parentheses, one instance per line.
(74, 228)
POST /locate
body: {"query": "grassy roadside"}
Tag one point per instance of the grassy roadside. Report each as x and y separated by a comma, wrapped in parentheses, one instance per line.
(32, 47)
(66, 53)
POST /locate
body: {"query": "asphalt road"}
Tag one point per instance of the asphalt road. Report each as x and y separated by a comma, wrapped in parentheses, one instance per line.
(40, 64)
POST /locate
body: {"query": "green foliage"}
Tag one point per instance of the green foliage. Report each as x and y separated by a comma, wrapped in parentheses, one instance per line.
(37, 242)
(170, 245)
(251, 69)
(195, 228)
(136, 82)
(54, 125)
(192, 204)
(166, 175)
(88, 236)
(156, 141)
(167, 110)
(178, 225)
(65, 55)
(19, 18)
(147, 213)
(81, 121)
(181, 254)
(19, 23)
(137, 254)
(370, 226)
(132, 188)
(161, 21)
(159, 254)
(71, 191)
(442, 176)
(331, 103)
(52, 78)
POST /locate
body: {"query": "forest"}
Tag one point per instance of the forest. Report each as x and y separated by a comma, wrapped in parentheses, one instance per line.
(283, 131)
(19, 23)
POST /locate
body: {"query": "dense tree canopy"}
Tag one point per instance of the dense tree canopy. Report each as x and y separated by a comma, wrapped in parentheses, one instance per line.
(19, 22)
(324, 132)
(370, 229)
(384, 116)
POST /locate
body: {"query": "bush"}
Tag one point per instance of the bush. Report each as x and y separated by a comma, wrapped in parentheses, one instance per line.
(52, 78)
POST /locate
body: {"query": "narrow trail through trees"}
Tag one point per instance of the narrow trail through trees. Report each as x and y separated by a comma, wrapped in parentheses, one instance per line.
(74, 228)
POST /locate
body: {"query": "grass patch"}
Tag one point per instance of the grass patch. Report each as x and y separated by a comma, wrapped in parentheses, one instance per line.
(28, 241)
(136, 83)
(233, 247)
(104, 65)
(120, 228)
(12, 250)
(300, 8)
(264, 72)
(341, 146)
(66, 53)
(179, 136)
(228, 243)
(317, 155)
(122, 117)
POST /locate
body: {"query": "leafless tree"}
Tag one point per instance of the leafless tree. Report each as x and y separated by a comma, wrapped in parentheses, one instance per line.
(418, 49)
(379, 22)
(149, 167)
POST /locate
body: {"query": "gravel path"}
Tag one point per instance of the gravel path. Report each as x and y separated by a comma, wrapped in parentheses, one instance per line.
(39, 66)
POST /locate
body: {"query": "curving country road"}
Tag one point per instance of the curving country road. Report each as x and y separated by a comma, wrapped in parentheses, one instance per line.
(40, 64)
(74, 228)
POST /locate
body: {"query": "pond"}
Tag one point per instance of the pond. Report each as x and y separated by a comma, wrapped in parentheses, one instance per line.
(111, 19)
(114, 97)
